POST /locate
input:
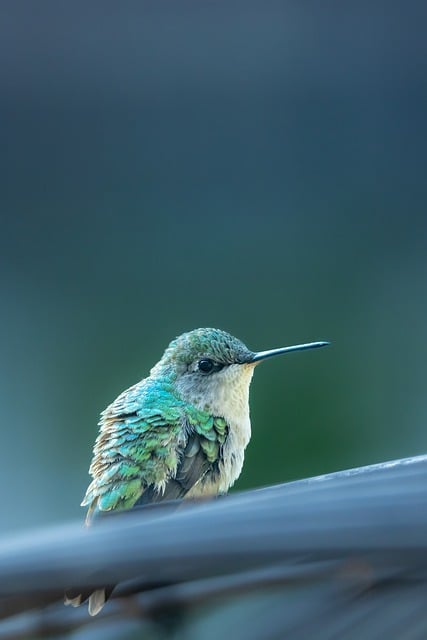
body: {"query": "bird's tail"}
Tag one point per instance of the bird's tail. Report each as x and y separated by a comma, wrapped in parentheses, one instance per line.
(95, 599)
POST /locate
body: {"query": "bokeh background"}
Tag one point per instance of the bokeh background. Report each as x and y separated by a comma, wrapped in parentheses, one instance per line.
(259, 167)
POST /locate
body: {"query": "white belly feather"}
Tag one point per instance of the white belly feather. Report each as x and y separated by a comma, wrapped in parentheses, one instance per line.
(229, 398)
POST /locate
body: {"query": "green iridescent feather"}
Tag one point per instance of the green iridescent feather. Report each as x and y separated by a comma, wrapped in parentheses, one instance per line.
(141, 442)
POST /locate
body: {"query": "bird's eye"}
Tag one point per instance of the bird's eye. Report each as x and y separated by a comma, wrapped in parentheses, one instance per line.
(208, 366)
(205, 365)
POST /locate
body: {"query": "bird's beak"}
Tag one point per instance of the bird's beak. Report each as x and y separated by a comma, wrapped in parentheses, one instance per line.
(263, 355)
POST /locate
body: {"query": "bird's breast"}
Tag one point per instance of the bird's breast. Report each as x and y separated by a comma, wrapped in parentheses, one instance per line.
(230, 463)
(233, 453)
(227, 397)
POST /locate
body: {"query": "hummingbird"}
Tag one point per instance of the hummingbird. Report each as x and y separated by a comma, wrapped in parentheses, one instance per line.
(179, 433)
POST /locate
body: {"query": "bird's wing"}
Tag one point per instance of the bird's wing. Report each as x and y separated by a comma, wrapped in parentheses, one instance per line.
(151, 448)
(199, 457)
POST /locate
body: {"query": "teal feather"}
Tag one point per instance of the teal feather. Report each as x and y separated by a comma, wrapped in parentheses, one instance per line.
(141, 442)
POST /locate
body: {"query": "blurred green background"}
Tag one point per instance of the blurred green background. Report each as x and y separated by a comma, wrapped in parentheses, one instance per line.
(259, 167)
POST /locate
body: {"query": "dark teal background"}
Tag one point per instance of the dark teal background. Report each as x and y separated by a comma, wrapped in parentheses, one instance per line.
(259, 167)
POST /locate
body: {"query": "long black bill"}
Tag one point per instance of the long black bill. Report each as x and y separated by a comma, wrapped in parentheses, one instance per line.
(263, 355)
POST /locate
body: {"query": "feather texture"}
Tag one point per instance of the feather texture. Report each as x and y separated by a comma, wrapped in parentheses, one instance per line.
(152, 446)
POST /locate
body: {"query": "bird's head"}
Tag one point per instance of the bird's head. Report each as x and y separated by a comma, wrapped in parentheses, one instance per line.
(213, 370)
